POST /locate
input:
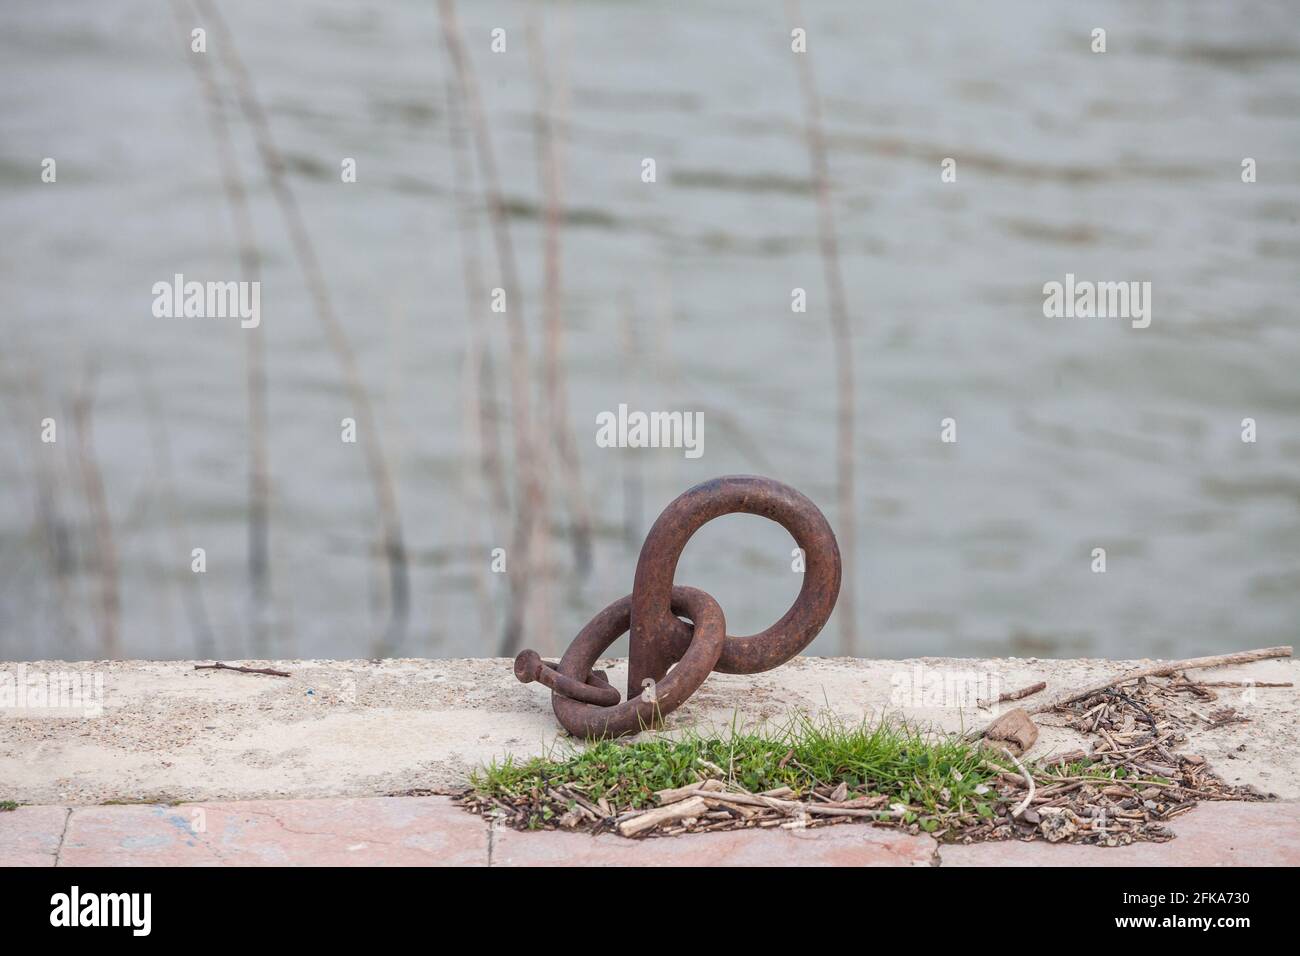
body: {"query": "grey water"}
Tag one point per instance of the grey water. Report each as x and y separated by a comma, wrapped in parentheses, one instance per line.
(1072, 433)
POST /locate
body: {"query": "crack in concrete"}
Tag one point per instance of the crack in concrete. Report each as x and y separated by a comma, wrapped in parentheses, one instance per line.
(58, 850)
(315, 833)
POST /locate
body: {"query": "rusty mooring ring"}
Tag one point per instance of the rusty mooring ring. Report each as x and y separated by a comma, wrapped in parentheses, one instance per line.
(646, 705)
(658, 638)
(582, 698)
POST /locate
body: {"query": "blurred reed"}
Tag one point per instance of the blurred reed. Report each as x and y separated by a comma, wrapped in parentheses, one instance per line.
(530, 491)
(250, 266)
(392, 544)
(92, 479)
(841, 335)
(480, 424)
(555, 390)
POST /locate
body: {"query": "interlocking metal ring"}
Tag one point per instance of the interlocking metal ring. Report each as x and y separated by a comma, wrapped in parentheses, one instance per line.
(583, 700)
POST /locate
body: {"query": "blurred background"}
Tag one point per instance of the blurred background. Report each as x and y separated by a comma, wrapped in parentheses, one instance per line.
(522, 170)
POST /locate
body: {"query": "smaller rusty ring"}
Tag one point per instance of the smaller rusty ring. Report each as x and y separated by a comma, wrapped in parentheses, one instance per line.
(659, 638)
(636, 713)
(595, 689)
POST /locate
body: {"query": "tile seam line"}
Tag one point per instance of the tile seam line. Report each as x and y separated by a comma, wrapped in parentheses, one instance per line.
(63, 835)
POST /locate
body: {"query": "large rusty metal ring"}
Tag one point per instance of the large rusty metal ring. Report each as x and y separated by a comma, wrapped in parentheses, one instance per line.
(659, 638)
(645, 705)
(583, 700)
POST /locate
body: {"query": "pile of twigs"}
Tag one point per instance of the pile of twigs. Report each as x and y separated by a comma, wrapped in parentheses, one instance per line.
(1131, 783)
(709, 804)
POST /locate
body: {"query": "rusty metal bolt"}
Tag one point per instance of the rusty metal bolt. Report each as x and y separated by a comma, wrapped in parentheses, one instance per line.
(596, 689)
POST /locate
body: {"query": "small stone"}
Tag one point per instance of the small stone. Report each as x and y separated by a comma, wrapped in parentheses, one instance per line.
(571, 819)
(1031, 816)
(1014, 726)
(1194, 759)
(1059, 826)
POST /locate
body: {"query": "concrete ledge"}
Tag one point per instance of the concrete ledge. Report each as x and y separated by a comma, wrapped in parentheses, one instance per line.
(372, 728)
(414, 831)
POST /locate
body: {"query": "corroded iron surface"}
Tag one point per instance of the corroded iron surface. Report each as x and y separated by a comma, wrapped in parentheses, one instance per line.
(585, 703)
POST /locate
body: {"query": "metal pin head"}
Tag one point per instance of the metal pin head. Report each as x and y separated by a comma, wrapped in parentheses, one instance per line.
(528, 666)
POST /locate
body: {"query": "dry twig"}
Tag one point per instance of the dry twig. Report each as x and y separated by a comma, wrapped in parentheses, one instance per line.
(218, 666)
(1014, 695)
(1029, 797)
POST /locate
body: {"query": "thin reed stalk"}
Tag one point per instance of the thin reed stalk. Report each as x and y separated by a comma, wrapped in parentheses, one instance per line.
(490, 459)
(393, 547)
(474, 504)
(555, 392)
(633, 477)
(476, 301)
(530, 492)
(663, 375)
(841, 335)
(480, 425)
(55, 528)
(92, 480)
(250, 267)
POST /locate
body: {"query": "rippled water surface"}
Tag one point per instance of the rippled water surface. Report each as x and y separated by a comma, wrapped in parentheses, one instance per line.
(1072, 434)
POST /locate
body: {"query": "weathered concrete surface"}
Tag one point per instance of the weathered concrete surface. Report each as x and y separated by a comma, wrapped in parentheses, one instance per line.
(361, 728)
(416, 831)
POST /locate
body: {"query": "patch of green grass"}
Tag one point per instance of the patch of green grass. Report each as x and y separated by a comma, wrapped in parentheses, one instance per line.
(934, 775)
(7, 805)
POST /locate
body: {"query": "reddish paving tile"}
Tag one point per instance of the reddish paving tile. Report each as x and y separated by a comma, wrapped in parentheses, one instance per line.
(400, 831)
(842, 845)
(1213, 834)
(29, 836)
(377, 831)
